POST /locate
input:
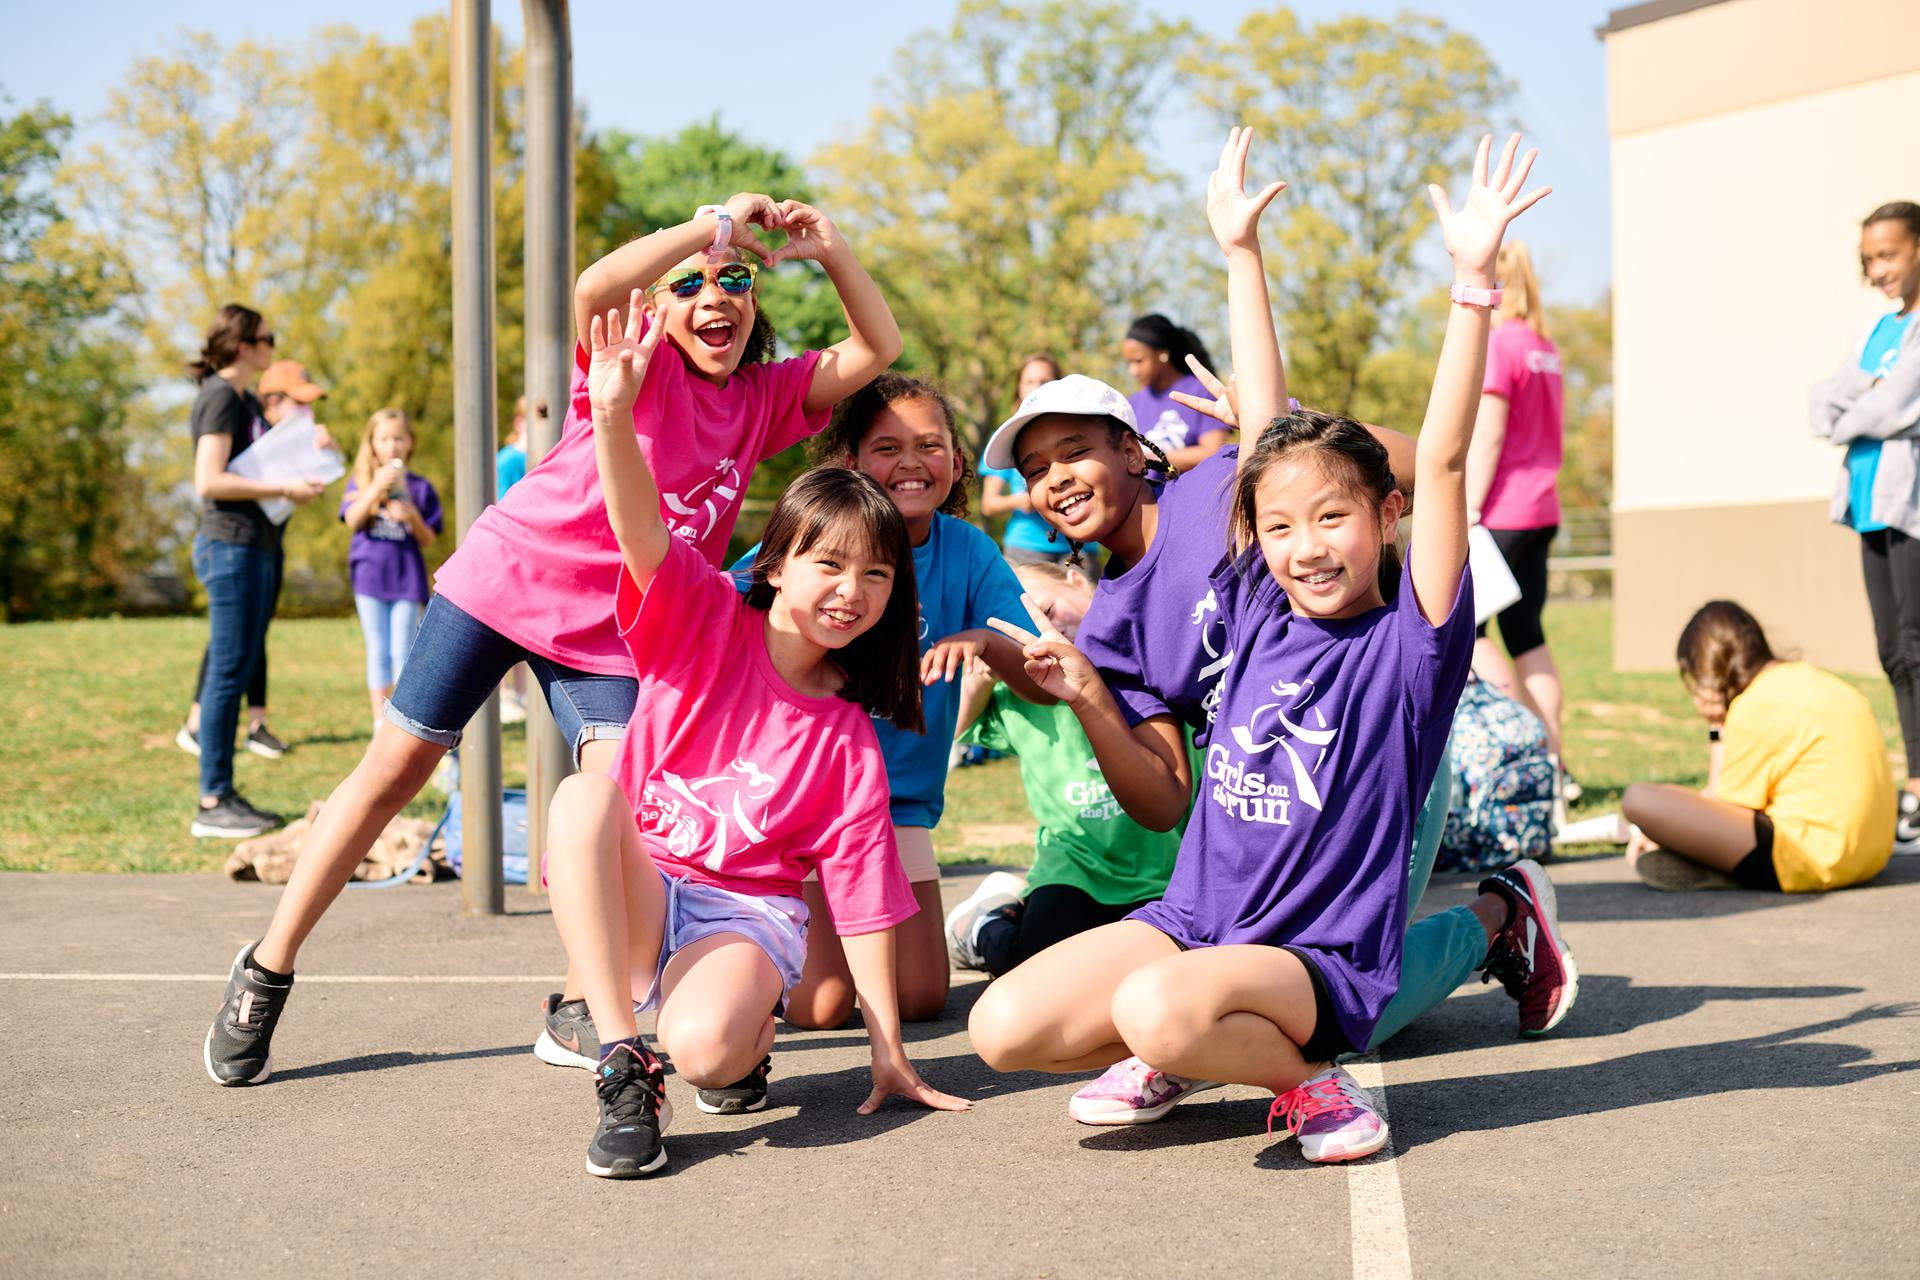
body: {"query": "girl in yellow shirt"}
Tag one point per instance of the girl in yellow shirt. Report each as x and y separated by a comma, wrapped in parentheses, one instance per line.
(1799, 797)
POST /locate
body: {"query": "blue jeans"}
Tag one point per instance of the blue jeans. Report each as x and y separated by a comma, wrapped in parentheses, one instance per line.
(1442, 951)
(387, 626)
(239, 583)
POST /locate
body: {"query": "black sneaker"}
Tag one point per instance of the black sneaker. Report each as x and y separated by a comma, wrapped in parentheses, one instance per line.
(633, 1114)
(568, 1039)
(238, 1046)
(188, 741)
(232, 818)
(749, 1094)
(265, 815)
(1906, 826)
(262, 743)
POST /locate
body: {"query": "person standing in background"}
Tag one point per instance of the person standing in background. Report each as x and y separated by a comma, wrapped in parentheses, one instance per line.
(1513, 467)
(510, 464)
(283, 388)
(1003, 492)
(1156, 351)
(1872, 405)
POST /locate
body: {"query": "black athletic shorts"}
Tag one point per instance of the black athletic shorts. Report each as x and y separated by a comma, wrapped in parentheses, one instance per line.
(1756, 869)
(1525, 551)
(1328, 1041)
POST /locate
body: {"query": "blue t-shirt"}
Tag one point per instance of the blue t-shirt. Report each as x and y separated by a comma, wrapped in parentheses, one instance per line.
(963, 582)
(1863, 456)
(1025, 530)
(509, 468)
(1327, 738)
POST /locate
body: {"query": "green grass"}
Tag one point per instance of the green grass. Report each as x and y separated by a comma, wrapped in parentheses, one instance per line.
(94, 782)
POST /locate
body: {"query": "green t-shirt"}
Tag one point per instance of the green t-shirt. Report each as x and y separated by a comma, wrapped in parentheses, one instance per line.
(1086, 839)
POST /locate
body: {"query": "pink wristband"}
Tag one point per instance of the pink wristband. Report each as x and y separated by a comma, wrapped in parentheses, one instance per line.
(1468, 296)
(722, 230)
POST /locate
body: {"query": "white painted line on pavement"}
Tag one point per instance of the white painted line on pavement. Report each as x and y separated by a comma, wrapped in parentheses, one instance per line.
(1377, 1218)
(364, 979)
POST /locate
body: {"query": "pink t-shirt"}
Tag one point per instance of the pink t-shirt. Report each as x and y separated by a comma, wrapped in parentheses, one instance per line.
(738, 779)
(540, 565)
(1525, 368)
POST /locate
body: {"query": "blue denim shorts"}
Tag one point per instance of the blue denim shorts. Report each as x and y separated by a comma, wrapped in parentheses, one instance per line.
(457, 660)
(776, 924)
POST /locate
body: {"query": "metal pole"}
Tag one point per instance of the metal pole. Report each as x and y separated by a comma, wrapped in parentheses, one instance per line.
(549, 325)
(473, 415)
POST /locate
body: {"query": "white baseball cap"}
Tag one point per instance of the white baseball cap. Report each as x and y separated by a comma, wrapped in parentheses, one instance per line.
(1075, 393)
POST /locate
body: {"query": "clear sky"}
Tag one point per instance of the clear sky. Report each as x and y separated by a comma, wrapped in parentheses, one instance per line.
(810, 76)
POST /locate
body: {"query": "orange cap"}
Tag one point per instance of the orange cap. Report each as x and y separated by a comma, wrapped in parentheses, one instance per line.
(289, 378)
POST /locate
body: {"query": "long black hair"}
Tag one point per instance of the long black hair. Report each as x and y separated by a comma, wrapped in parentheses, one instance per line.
(857, 413)
(1347, 452)
(1156, 331)
(882, 664)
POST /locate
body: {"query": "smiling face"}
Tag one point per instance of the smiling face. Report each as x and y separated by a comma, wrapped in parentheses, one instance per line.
(1081, 481)
(711, 328)
(832, 592)
(909, 450)
(1321, 541)
(1890, 259)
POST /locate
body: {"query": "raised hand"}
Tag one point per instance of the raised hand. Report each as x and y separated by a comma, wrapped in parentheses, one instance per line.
(1231, 212)
(811, 235)
(618, 359)
(1052, 663)
(1224, 408)
(1473, 232)
(750, 209)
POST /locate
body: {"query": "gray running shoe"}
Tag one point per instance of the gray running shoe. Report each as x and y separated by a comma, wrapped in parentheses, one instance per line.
(238, 1046)
(568, 1039)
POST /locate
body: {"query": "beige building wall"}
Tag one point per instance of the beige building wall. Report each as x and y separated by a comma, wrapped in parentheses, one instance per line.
(1749, 139)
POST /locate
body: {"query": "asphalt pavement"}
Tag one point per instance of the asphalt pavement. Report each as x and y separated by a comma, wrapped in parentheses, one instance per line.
(1735, 1094)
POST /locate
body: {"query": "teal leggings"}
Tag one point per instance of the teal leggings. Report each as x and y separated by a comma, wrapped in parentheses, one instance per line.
(1443, 950)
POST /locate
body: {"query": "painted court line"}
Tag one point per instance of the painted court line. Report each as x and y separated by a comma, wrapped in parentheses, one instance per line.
(360, 979)
(1376, 1215)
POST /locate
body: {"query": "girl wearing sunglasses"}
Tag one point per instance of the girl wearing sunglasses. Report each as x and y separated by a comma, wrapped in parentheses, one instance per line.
(533, 580)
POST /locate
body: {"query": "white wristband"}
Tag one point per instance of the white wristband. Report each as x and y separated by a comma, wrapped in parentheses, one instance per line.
(722, 231)
(1468, 296)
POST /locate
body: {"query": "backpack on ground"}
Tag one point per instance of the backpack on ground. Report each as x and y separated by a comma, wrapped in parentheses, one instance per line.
(1504, 784)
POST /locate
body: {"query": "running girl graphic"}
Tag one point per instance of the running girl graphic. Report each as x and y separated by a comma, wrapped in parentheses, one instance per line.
(702, 507)
(721, 798)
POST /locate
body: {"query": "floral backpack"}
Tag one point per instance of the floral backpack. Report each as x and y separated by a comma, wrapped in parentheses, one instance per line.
(1504, 784)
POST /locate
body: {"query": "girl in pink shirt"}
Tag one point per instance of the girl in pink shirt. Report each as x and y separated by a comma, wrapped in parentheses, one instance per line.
(751, 760)
(533, 580)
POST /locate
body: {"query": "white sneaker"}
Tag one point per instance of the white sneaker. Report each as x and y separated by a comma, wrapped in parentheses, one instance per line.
(995, 893)
(1131, 1092)
(1333, 1116)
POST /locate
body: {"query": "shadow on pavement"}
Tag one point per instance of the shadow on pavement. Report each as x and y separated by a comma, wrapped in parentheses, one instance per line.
(1430, 1110)
(388, 1061)
(1609, 1004)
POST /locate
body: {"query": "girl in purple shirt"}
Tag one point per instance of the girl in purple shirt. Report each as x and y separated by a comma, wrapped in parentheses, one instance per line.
(394, 515)
(1277, 944)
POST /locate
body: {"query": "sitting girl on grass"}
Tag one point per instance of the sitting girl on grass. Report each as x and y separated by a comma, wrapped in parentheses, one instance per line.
(1798, 795)
(750, 761)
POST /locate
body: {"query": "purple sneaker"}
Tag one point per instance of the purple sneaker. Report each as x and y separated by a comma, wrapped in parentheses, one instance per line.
(1131, 1092)
(1333, 1117)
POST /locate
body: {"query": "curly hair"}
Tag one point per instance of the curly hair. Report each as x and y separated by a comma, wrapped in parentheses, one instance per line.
(858, 412)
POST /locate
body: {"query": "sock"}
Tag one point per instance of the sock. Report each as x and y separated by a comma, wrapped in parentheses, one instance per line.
(631, 1042)
(995, 938)
(277, 979)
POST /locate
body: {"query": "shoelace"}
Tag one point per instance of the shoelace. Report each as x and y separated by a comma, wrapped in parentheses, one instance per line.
(1314, 1098)
(254, 1009)
(632, 1093)
(1506, 965)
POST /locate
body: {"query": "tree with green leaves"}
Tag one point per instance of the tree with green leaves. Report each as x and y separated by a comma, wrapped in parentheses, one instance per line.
(71, 509)
(1359, 115)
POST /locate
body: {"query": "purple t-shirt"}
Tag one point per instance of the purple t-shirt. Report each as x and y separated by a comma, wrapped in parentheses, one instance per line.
(1155, 630)
(1166, 421)
(1327, 737)
(383, 560)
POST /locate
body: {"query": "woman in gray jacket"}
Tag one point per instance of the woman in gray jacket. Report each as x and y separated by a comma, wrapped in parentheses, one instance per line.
(1872, 406)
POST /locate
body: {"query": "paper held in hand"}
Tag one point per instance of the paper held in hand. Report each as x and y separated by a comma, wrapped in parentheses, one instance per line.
(288, 453)
(1493, 586)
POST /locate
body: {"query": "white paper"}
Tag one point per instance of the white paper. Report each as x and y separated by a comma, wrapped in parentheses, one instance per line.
(288, 452)
(1493, 586)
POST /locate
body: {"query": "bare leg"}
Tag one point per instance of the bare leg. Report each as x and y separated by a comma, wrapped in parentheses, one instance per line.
(1232, 1013)
(256, 718)
(378, 697)
(193, 718)
(823, 998)
(396, 766)
(596, 757)
(609, 902)
(716, 1009)
(1703, 829)
(921, 969)
(1055, 1012)
(1490, 664)
(1541, 681)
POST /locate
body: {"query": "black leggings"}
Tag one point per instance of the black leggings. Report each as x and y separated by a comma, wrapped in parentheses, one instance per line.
(257, 690)
(1891, 561)
(1525, 551)
(1052, 913)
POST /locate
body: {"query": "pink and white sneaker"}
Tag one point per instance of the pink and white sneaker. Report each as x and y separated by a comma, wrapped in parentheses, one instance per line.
(1333, 1116)
(1131, 1092)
